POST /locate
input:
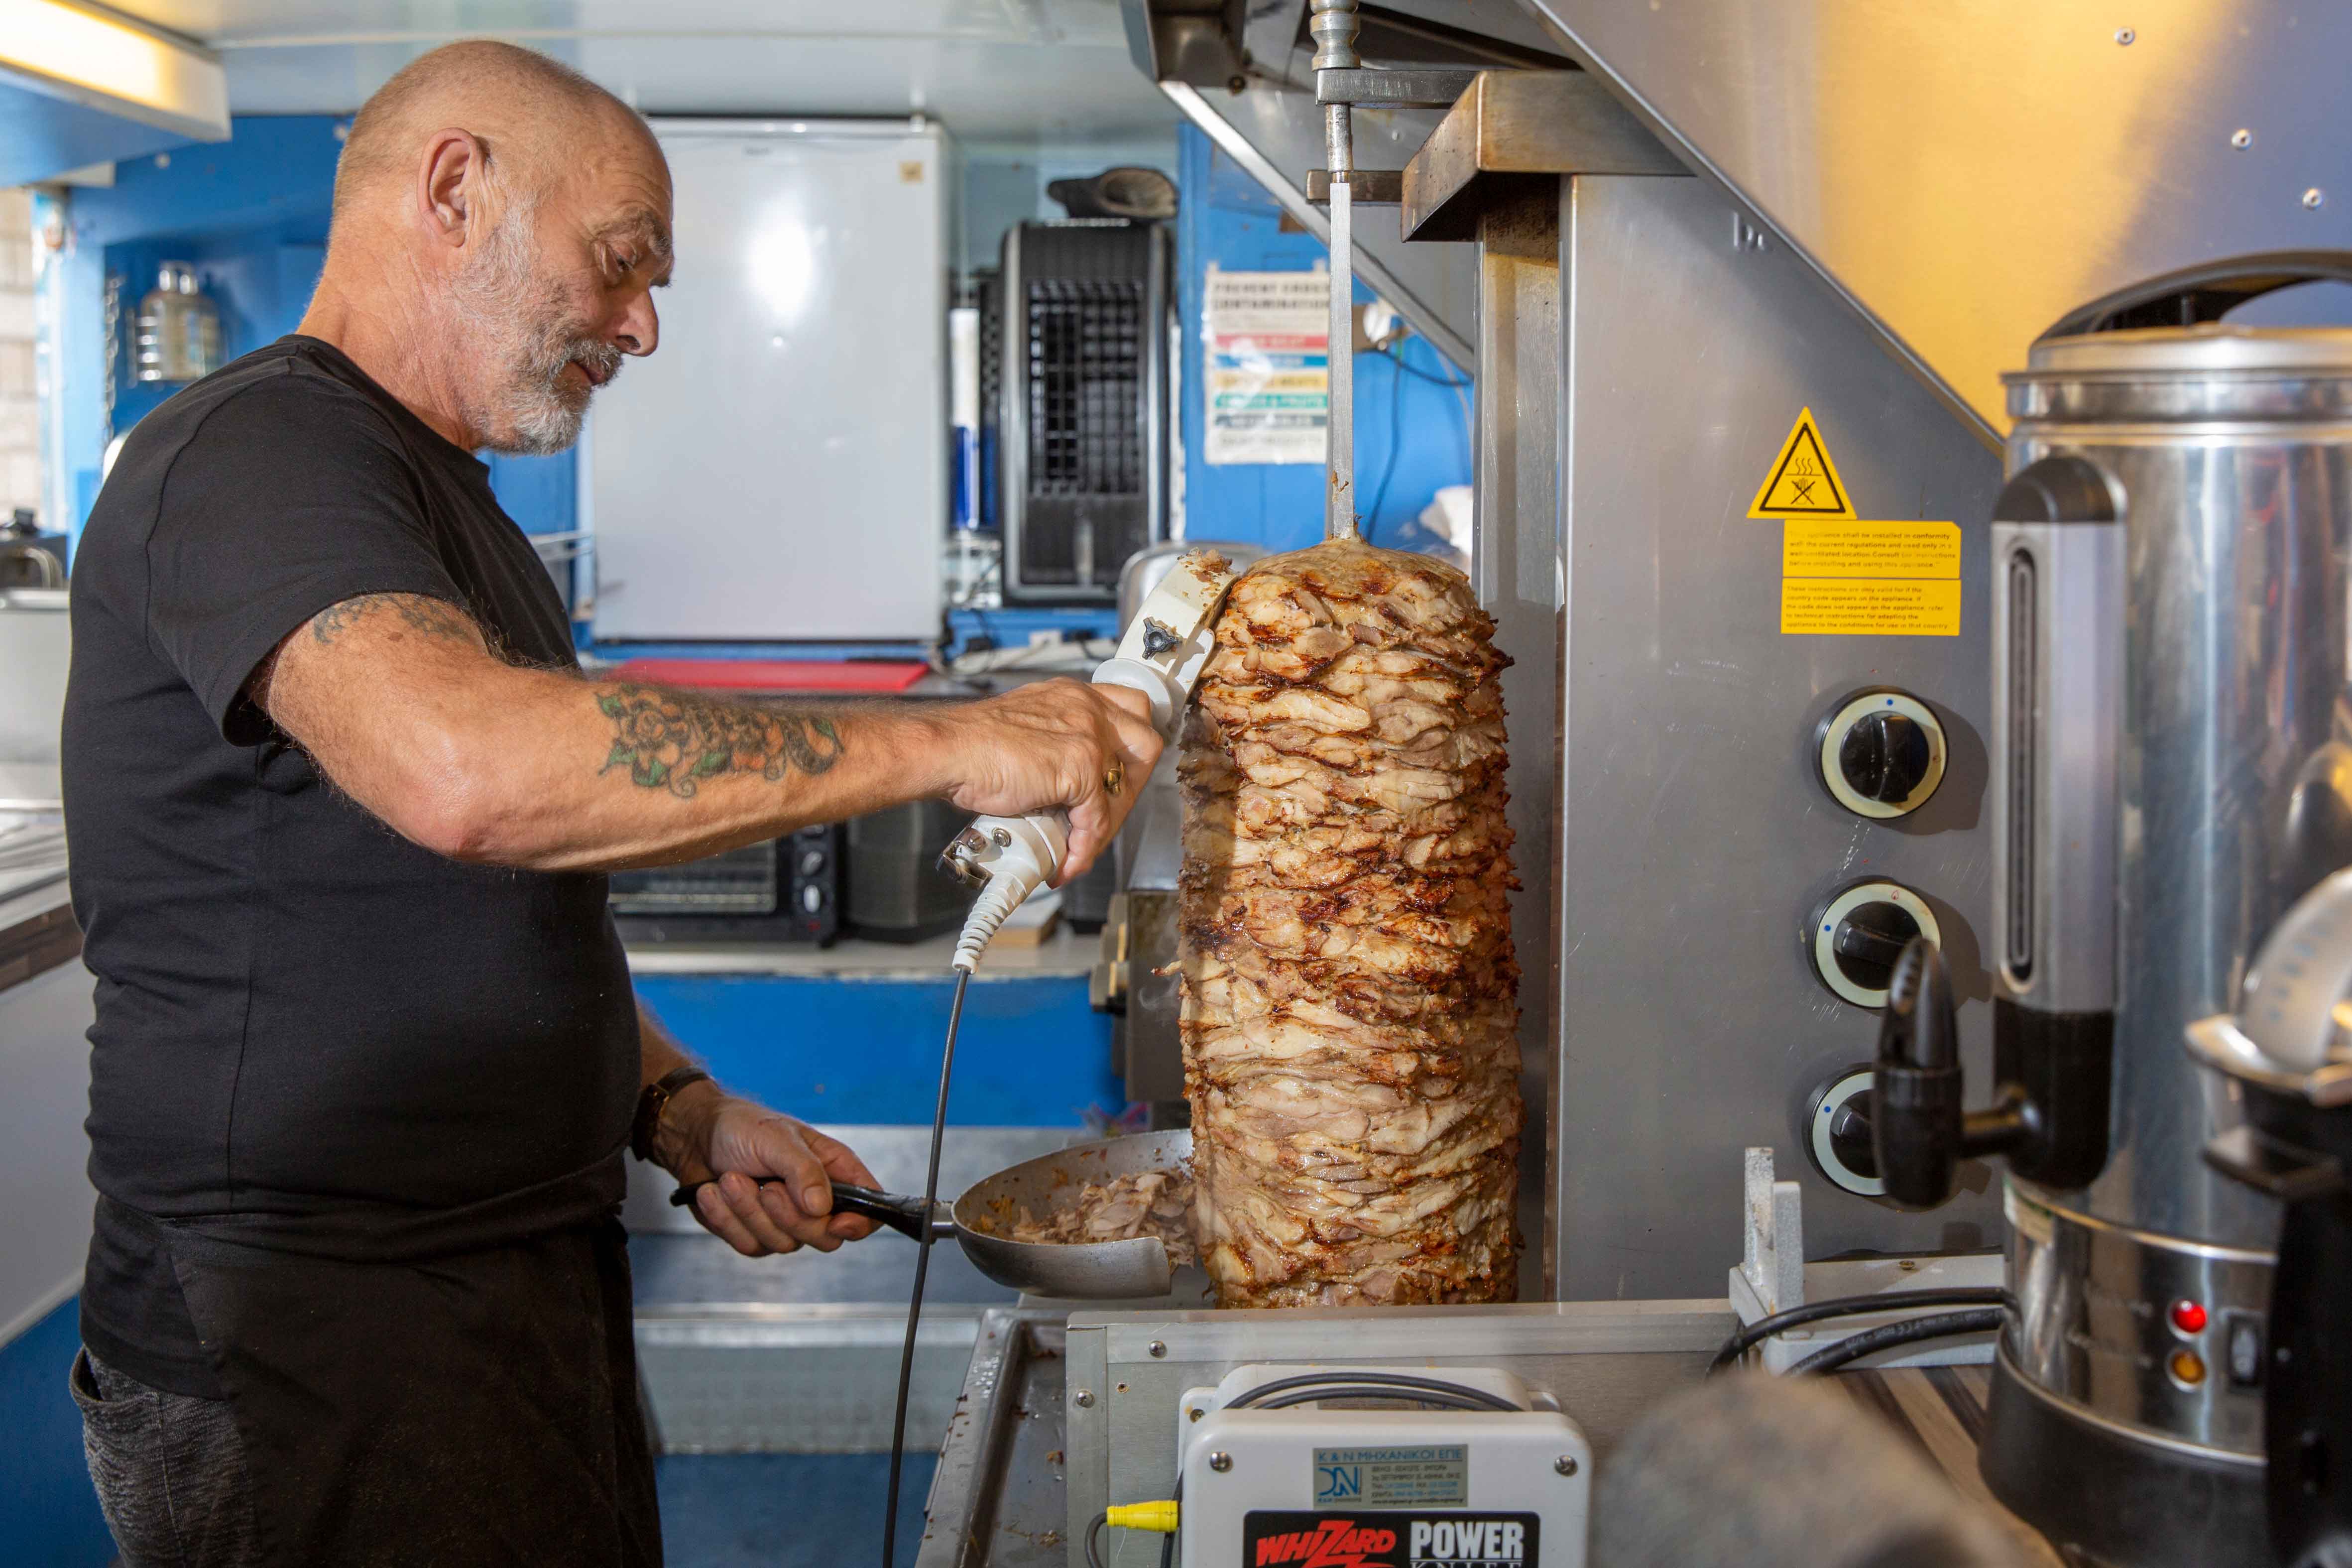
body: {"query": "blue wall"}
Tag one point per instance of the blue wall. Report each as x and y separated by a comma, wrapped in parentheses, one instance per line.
(251, 214)
(1227, 219)
(1030, 1052)
(48, 1514)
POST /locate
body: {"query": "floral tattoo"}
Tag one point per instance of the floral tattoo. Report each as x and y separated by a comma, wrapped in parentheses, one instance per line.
(675, 739)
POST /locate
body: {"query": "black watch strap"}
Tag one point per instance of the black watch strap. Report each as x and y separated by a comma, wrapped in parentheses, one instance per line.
(652, 1101)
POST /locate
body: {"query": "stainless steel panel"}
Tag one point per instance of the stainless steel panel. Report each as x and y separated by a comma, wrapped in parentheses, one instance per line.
(1694, 837)
(822, 1386)
(1608, 1364)
(44, 1095)
(2092, 1325)
(35, 645)
(996, 1497)
(1966, 175)
(778, 469)
(1516, 566)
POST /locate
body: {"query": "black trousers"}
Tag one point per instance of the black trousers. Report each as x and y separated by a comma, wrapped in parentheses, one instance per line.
(170, 1471)
(473, 1408)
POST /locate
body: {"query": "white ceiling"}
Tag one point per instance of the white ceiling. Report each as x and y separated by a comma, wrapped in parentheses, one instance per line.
(1011, 72)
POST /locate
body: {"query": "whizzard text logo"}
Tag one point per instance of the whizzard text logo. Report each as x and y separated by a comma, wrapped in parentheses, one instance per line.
(1336, 1543)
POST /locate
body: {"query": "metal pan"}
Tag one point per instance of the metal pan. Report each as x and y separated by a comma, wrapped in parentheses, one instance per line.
(1083, 1271)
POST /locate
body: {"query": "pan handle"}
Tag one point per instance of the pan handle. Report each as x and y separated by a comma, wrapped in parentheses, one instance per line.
(901, 1214)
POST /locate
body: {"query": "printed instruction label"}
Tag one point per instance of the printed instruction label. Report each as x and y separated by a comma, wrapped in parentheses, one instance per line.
(1266, 393)
(1841, 548)
(1392, 1477)
(1871, 607)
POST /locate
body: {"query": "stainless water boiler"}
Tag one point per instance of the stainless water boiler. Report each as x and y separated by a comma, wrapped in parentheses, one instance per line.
(2173, 650)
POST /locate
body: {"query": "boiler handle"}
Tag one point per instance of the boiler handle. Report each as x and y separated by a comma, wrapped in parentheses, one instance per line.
(2205, 292)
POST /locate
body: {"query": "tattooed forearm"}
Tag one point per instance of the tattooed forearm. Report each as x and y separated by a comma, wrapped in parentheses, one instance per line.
(675, 739)
(432, 617)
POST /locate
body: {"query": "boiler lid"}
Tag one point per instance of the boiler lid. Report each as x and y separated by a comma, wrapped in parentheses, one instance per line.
(2215, 347)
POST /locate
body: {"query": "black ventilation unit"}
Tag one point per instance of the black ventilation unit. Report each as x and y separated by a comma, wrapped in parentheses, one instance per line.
(1083, 411)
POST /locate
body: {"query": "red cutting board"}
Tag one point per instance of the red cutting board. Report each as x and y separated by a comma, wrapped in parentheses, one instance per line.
(801, 676)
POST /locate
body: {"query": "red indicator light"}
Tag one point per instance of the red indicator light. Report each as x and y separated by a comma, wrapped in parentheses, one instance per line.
(2189, 1316)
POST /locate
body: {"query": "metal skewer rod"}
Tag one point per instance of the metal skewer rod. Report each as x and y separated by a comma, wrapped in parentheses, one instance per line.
(1333, 28)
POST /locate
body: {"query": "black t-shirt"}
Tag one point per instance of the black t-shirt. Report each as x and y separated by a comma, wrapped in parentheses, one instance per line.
(312, 1033)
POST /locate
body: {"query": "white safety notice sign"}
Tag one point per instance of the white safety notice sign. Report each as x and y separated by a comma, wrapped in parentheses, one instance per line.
(1267, 395)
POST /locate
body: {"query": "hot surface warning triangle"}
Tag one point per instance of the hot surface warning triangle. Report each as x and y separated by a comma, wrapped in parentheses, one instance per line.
(1804, 481)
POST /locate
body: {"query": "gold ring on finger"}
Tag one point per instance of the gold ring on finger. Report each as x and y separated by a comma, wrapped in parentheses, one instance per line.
(1115, 777)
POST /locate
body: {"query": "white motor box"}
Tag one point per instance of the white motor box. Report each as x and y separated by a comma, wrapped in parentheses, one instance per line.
(1310, 1486)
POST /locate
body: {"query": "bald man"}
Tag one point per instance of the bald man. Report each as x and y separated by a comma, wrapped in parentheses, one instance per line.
(341, 807)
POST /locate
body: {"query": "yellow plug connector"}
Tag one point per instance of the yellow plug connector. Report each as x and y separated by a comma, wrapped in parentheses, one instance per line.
(1155, 1516)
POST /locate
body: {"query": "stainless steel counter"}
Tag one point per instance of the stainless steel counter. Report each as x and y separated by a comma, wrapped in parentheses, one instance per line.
(1020, 1439)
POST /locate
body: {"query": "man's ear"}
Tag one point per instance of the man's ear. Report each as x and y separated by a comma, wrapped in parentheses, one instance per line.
(448, 182)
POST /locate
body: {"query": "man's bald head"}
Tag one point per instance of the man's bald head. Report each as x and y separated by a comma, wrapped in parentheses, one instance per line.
(506, 216)
(523, 104)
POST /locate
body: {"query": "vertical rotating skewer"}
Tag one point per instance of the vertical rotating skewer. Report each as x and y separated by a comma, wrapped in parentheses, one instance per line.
(1333, 28)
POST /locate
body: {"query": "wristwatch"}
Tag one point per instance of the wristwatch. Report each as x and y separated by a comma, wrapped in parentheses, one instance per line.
(652, 1101)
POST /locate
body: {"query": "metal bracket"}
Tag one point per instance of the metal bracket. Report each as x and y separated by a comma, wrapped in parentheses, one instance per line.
(1366, 188)
(1430, 88)
(1772, 1249)
(1516, 132)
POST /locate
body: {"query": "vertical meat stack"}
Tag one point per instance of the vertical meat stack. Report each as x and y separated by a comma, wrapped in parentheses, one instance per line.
(1350, 992)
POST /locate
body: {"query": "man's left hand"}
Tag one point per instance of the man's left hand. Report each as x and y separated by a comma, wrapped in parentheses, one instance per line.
(770, 1176)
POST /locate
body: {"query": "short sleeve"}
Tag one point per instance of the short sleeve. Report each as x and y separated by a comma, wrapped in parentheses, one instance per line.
(295, 494)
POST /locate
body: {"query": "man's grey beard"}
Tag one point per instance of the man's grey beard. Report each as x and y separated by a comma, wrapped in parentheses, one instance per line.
(518, 323)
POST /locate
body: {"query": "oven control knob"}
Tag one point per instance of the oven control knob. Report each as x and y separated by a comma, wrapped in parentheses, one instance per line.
(1837, 1131)
(1881, 753)
(1857, 936)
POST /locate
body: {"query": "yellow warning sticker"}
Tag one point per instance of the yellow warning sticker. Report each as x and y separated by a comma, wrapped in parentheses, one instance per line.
(1802, 481)
(1841, 547)
(1874, 606)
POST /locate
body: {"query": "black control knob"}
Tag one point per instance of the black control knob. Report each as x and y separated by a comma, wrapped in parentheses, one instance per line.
(1881, 753)
(1858, 934)
(1869, 940)
(1838, 1132)
(1885, 757)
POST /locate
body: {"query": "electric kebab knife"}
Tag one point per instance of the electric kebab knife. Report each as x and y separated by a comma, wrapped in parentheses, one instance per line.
(1162, 655)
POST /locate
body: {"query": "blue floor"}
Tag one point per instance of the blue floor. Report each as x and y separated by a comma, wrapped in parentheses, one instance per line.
(786, 1511)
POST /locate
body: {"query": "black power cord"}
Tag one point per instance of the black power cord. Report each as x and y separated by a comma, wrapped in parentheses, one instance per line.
(1941, 1325)
(922, 1270)
(1368, 1385)
(1763, 1329)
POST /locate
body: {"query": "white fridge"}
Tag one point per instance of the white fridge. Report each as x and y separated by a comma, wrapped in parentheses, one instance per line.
(777, 469)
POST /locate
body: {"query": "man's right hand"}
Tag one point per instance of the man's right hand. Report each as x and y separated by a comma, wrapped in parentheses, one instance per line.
(1052, 743)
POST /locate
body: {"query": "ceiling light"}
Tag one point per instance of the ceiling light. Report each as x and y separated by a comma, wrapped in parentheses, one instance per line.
(90, 55)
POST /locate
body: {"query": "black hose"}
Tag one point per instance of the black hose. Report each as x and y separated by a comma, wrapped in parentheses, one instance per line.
(1940, 1325)
(1374, 1390)
(1387, 1380)
(1762, 1329)
(922, 1269)
(1094, 1539)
